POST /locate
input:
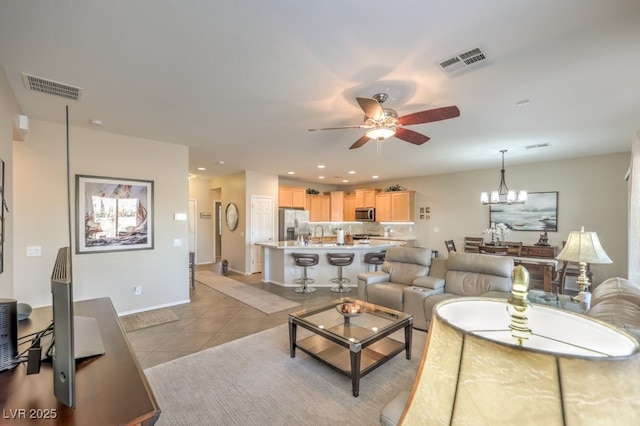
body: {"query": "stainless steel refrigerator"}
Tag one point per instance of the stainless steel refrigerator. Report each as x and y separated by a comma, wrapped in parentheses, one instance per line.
(292, 223)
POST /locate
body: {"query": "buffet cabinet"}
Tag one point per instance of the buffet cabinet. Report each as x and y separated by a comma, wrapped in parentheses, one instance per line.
(546, 252)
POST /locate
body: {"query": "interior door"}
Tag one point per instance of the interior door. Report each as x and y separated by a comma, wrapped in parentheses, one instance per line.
(262, 228)
(217, 231)
(192, 225)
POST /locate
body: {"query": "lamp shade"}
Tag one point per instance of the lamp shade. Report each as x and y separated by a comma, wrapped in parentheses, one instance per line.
(573, 370)
(585, 247)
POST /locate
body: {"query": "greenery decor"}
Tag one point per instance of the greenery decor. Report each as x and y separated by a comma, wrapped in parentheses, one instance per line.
(394, 188)
(312, 191)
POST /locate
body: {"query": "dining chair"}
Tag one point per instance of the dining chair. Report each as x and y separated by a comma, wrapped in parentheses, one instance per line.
(472, 244)
(450, 245)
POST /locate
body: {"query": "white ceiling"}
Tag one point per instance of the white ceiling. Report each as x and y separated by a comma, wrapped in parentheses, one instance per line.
(241, 82)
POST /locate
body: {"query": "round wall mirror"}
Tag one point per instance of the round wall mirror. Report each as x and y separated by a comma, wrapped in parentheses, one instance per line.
(232, 216)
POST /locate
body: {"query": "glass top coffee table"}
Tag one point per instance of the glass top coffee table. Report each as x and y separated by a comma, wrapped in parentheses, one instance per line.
(351, 343)
(561, 301)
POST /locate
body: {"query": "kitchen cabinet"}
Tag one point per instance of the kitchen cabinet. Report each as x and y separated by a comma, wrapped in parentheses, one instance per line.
(349, 214)
(336, 204)
(291, 196)
(395, 206)
(366, 197)
(319, 207)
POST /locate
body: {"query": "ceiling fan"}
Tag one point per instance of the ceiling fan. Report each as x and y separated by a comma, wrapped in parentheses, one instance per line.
(381, 123)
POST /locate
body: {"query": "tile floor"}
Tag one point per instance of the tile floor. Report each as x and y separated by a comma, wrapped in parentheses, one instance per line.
(213, 318)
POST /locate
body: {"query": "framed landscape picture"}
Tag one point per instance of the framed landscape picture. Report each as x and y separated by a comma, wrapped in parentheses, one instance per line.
(539, 213)
(113, 214)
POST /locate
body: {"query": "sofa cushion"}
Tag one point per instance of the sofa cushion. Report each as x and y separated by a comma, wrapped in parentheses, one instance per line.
(417, 255)
(616, 288)
(404, 273)
(404, 264)
(480, 263)
(391, 413)
(618, 312)
(471, 274)
(386, 294)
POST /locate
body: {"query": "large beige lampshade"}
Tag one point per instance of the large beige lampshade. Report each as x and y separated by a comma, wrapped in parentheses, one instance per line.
(572, 371)
(585, 247)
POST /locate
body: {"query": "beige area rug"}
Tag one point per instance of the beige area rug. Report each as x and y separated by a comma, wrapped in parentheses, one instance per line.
(254, 381)
(255, 297)
(147, 319)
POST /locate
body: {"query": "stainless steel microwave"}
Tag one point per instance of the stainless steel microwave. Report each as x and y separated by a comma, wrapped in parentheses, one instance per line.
(365, 214)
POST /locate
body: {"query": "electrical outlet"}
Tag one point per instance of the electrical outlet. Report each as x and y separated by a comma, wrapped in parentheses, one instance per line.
(177, 242)
(137, 290)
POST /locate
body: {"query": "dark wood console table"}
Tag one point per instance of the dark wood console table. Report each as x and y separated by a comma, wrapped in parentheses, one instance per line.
(539, 261)
(111, 389)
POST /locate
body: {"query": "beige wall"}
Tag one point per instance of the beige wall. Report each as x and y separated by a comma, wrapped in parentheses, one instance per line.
(199, 190)
(238, 188)
(9, 109)
(41, 217)
(592, 193)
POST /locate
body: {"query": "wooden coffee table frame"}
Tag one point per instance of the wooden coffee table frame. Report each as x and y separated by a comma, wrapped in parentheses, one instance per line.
(364, 356)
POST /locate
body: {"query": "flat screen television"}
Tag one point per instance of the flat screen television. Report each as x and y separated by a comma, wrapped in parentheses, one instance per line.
(63, 360)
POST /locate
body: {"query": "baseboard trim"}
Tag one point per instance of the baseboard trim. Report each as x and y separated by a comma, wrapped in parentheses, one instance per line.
(152, 308)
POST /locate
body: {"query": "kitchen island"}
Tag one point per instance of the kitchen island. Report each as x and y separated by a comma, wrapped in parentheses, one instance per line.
(279, 268)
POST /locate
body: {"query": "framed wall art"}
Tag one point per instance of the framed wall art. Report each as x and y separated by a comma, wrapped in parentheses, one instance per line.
(539, 213)
(113, 214)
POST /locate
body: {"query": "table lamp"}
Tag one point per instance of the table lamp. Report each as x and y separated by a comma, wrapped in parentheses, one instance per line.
(583, 247)
(570, 370)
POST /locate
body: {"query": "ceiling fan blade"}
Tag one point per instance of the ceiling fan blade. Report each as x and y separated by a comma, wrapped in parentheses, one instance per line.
(364, 139)
(371, 108)
(340, 127)
(411, 136)
(430, 115)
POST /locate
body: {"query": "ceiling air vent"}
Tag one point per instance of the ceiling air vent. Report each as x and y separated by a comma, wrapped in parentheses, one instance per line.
(464, 62)
(538, 145)
(50, 87)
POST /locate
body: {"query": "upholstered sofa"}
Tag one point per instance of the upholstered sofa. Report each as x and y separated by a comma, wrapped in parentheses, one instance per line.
(399, 282)
(617, 301)
(411, 281)
(472, 275)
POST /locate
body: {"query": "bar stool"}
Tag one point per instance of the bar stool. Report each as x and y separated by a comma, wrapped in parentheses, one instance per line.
(375, 259)
(340, 260)
(305, 260)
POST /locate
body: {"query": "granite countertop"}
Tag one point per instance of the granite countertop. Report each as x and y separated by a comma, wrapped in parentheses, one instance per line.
(394, 238)
(357, 246)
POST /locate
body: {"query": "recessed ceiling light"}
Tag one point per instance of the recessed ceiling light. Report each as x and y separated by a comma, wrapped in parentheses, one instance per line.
(375, 177)
(202, 168)
(321, 166)
(345, 180)
(291, 173)
(352, 172)
(221, 162)
(96, 122)
(320, 177)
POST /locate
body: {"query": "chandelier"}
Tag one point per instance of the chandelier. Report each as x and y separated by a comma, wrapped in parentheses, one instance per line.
(503, 195)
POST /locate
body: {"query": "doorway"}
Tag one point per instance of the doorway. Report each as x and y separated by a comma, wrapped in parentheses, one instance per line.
(193, 207)
(217, 231)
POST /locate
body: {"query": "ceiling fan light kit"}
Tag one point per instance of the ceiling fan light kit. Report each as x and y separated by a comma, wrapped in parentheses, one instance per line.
(503, 195)
(382, 123)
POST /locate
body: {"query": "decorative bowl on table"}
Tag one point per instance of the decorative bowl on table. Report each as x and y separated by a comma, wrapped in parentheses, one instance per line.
(349, 310)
